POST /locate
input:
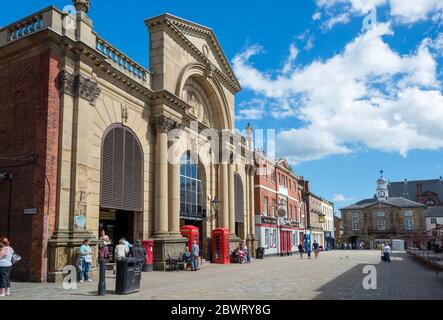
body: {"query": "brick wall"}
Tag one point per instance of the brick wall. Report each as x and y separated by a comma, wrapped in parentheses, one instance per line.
(29, 124)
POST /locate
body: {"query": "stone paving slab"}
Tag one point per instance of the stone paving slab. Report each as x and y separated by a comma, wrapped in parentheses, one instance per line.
(335, 275)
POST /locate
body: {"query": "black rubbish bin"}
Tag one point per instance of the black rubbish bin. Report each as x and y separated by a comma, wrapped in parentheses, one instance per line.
(128, 276)
(260, 253)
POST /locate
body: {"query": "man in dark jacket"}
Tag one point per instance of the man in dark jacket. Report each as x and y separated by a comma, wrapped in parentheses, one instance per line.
(139, 252)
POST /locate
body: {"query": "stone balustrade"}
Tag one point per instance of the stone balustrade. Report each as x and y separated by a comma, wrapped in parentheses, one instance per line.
(46, 18)
(121, 61)
(63, 24)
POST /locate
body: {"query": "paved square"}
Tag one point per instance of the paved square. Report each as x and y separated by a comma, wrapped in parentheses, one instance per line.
(335, 275)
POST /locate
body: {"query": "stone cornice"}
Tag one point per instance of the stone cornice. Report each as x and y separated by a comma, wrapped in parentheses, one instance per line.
(173, 24)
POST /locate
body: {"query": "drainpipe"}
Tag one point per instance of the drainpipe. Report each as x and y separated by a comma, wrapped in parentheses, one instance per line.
(46, 217)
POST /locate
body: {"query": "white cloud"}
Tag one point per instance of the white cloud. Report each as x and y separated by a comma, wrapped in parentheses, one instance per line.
(340, 198)
(368, 96)
(414, 10)
(339, 19)
(293, 53)
(316, 16)
(403, 11)
(251, 110)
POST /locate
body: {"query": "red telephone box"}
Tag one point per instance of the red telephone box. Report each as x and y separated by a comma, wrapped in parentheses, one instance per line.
(149, 262)
(192, 233)
(221, 252)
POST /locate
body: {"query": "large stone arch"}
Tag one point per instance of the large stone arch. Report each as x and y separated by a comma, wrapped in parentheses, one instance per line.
(213, 90)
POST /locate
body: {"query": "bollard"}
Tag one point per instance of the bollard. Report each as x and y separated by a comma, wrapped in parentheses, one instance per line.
(102, 278)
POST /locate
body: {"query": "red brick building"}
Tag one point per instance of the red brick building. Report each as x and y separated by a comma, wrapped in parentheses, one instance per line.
(29, 132)
(279, 206)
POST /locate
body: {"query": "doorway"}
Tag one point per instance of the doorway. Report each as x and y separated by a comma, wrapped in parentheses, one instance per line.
(117, 224)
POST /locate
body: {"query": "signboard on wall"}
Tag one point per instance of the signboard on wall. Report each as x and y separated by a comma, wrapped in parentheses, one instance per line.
(30, 211)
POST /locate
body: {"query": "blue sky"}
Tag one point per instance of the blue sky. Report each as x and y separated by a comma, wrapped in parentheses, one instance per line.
(345, 100)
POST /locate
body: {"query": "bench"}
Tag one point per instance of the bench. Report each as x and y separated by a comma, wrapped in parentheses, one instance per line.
(174, 263)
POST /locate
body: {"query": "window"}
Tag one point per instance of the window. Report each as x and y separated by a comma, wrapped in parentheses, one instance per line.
(267, 238)
(355, 221)
(381, 220)
(271, 238)
(274, 240)
(274, 208)
(266, 205)
(190, 188)
(433, 220)
(273, 176)
(122, 170)
(409, 225)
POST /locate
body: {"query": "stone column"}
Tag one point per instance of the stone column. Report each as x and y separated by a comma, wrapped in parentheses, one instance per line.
(231, 199)
(251, 173)
(174, 200)
(163, 125)
(224, 195)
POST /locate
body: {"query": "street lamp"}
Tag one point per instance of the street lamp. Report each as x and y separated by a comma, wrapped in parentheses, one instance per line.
(215, 205)
(7, 176)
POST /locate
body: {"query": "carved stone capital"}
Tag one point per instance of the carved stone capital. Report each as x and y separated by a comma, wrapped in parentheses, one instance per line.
(67, 83)
(164, 124)
(88, 89)
(250, 169)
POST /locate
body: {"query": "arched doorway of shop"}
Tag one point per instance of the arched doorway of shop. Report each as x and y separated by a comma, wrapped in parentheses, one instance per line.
(192, 195)
(121, 184)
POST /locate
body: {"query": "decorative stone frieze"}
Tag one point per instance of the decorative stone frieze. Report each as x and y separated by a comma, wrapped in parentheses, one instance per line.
(77, 85)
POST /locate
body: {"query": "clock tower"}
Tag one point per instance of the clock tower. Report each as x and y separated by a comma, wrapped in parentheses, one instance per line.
(382, 187)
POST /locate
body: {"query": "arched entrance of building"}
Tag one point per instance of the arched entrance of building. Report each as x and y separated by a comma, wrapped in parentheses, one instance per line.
(121, 183)
(192, 194)
(239, 207)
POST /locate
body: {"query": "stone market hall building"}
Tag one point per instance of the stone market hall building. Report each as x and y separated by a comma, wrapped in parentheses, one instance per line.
(382, 218)
(84, 140)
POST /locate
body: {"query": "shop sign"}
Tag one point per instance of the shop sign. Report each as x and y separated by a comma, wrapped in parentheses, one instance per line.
(269, 220)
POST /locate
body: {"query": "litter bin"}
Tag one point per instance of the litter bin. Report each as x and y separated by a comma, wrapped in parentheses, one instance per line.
(260, 253)
(128, 276)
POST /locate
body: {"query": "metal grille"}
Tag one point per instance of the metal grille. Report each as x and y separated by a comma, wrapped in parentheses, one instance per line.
(121, 170)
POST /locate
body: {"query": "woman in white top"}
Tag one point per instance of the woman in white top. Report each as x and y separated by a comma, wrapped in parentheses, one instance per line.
(6, 253)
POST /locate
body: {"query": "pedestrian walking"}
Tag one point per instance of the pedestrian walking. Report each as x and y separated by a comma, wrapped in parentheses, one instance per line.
(300, 250)
(6, 261)
(194, 256)
(315, 246)
(386, 249)
(308, 250)
(103, 245)
(85, 257)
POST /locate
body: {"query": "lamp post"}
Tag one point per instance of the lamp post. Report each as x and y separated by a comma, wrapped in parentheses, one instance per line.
(7, 176)
(215, 205)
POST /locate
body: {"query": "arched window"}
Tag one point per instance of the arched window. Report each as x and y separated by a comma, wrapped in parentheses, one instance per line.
(190, 188)
(121, 170)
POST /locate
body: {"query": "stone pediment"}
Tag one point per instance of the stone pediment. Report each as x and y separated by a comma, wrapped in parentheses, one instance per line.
(202, 39)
